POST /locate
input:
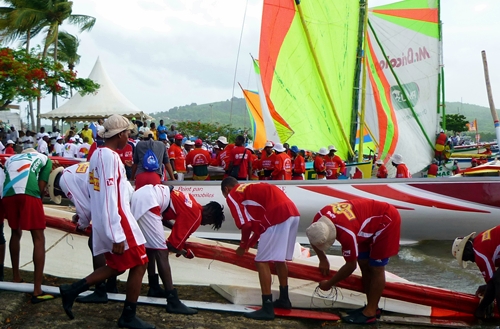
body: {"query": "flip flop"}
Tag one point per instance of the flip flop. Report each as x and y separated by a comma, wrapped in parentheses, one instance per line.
(41, 298)
(360, 318)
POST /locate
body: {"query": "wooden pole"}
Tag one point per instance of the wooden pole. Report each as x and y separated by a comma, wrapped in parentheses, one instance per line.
(494, 114)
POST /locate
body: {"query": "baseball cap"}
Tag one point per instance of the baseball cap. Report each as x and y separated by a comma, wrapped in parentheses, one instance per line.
(322, 234)
(179, 136)
(458, 247)
(198, 142)
(115, 124)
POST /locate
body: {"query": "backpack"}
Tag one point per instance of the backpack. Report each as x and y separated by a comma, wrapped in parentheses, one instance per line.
(150, 161)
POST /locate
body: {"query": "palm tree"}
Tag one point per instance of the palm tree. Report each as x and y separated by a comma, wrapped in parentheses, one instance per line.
(67, 50)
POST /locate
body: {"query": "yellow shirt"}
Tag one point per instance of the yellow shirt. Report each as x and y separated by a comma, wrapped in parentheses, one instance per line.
(88, 133)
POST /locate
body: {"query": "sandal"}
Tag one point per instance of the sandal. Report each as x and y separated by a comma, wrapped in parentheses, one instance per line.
(41, 298)
(359, 318)
(358, 310)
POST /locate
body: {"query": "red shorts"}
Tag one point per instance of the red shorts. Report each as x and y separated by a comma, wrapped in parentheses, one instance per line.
(145, 178)
(386, 243)
(132, 257)
(24, 212)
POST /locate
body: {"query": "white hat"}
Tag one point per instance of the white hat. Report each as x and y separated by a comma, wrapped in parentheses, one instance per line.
(189, 142)
(216, 147)
(222, 139)
(457, 250)
(279, 147)
(10, 141)
(397, 159)
(45, 135)
(72, 139)
(323, 151)
(322, 233)
(379, 161)
(269, 144)
(331, 147)
(116, 124)
(100, 132)
(50, 185)
(59, 138)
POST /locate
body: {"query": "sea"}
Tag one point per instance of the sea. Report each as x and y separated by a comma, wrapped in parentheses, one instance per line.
(431, 263)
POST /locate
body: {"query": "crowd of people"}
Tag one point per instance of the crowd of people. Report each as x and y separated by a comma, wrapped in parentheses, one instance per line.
(128, 225)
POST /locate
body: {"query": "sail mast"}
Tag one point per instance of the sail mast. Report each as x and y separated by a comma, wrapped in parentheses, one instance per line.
(322, 78)
(441, 105)
(363, 87)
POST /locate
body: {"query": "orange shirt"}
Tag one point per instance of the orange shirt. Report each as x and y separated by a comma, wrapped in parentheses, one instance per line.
(255, 167)
(282, 167)
(267, 163)
(382, 172)
(223, 157)
(299, 165)
(402, 171)
(333, 165)
(176, 153)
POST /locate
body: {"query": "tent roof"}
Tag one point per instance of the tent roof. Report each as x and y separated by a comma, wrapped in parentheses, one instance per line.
(107, 101)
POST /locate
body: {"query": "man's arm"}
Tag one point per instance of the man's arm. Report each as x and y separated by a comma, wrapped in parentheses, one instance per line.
(342, 274)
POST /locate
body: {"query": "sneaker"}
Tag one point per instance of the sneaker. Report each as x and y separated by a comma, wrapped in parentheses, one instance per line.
(359, 318)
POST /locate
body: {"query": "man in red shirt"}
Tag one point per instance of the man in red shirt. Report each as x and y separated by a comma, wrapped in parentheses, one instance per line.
(298, 165)
(333, 164)
(240, 161)
(199, 160)
(482, 250)
(223, 157)
(282, 164)
(267, 161)
(270, 217)
(381, 169)
(255, 164)
(127, 155)
(401, 168)
(368, 232)
(177, 158)
(319, 163)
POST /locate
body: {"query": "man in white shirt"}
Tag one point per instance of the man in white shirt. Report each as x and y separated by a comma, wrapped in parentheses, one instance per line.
(83, 149)
(59, 147)
(27, 140)
(43, 146)
(70, 149)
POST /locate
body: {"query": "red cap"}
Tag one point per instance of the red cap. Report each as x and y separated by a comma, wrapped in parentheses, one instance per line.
(198, 142)
(179, 136)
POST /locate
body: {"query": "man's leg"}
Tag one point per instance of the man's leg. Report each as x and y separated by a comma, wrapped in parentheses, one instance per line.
(365, 275)
(174, 305)
(267, 310)
(15, 248)
(38, 238)
(284, 300)
(375, 289)
(155, 290)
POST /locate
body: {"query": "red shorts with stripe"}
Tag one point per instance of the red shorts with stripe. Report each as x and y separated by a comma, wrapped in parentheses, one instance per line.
(24, 212)
(132, 257)
(385, 242)
(146, 178)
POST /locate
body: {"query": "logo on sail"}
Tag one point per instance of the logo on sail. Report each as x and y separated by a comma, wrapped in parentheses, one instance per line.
(398, 97)
(410, 57)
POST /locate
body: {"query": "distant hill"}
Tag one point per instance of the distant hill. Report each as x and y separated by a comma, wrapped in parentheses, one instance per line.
(471, 112)
(220, 112)
(213, 112)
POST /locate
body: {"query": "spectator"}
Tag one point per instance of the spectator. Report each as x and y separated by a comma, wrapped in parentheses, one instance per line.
(84, 148)
(27, 140)
(152, 129)
(401, 168)
(177, 158)
(240, 161)
(9, 147)
(43, 146)
(171, 133)
(282, 164)
(26, 177)
(319, 163)
(267, 161)
(199, 160)
(70, 149)
(86, 132)
(59, 147)
(162, 132)
(299, 164)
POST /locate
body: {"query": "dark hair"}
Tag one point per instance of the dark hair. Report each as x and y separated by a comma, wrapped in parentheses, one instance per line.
(216, 212)
(228, 181)
(240, 138)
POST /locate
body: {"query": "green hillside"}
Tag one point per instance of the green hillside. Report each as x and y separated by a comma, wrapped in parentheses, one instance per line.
(471, 112)
(220, 112)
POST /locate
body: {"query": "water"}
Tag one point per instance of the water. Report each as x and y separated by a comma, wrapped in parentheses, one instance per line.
(431, 263)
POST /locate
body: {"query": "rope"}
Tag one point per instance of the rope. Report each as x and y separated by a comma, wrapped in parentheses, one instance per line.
(329, 297)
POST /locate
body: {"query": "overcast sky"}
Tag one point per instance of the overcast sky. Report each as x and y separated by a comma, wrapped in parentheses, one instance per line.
(162, 54)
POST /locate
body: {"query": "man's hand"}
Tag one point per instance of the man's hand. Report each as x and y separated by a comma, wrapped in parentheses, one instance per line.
(481, 290)
(324, 267)
(325, 285)
(118, 248)
(240, 251)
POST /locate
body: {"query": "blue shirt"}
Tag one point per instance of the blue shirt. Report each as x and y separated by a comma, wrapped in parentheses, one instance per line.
(162, 132)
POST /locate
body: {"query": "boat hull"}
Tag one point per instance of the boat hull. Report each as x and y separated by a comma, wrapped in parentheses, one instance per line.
(431, 209)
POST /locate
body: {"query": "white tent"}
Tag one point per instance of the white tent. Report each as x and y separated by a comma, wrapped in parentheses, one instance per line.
(107, 101)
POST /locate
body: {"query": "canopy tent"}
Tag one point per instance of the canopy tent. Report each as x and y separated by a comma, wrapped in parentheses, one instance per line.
(107, 101)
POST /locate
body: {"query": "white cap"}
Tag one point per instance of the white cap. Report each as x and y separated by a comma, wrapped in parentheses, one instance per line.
(380, 162)
(59, 138)
(269, 144)
(72, 139)
(222, 139)
(45, 135)
(189, 142)
(279, 147)
(331, 147)
(323, 151)
(458, 247)
(397, 158)
(322, 234)
(10, 141)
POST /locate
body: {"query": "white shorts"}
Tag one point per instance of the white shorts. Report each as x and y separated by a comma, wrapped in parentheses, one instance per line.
(151, 226)
(277, 243)
(180, 176)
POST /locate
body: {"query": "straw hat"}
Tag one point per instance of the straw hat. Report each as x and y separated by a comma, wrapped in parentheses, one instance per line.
(457, 250)
(322, 234)
(115, 124)
(51, 184)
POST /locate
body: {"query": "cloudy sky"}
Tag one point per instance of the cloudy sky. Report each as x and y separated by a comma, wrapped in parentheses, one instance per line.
(162, 54)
